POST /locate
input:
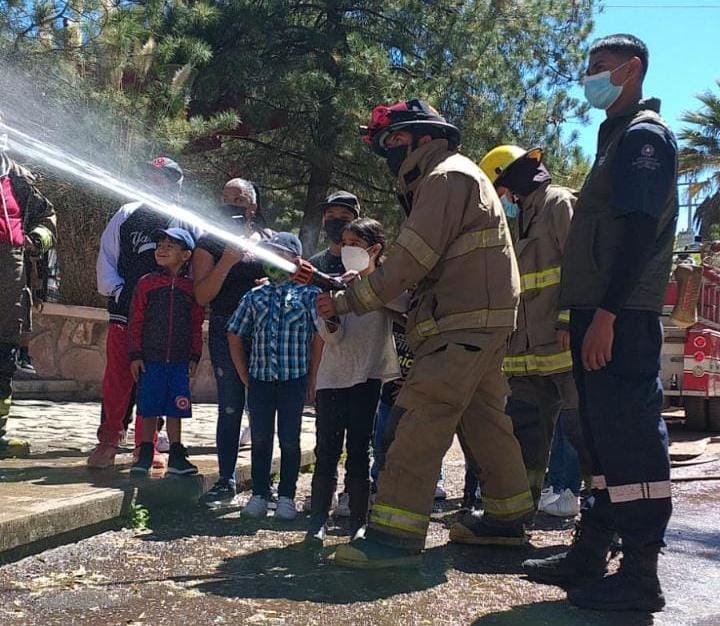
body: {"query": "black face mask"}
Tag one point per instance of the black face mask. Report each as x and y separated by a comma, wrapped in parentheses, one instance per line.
(333, 229)
(395, 158)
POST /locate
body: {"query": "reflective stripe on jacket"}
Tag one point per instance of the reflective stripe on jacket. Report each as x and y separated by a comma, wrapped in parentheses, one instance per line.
(454, 251)
(542, 229)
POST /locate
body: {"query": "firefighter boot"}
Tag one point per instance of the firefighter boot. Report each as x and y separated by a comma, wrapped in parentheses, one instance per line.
(586, 561)
(635, 586)
(10, 446)
(359, 500)
(321, 497)
(368, 553)
(476, 528)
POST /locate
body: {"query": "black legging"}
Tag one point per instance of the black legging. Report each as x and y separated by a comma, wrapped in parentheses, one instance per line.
(350, 410)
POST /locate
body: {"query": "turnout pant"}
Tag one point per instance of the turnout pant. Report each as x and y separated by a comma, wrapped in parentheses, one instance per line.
(457, 387)
(12, 278)
(534, 405)
(620, 408)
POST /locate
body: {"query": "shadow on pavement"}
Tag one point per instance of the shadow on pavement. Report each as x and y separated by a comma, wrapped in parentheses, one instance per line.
(560, 613)
(295, 573)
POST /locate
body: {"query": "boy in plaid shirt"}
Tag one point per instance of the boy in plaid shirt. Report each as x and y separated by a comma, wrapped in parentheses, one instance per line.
(279, 320)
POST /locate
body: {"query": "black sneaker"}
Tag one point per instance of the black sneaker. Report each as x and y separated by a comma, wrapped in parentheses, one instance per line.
(24, 362)
(144, 460)
(178, 463)
(222, 492)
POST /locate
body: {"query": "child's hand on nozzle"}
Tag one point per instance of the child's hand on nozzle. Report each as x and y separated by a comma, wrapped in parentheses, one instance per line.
(192, 370)
(136, 367)
(303, 272)
(349, 276)
(326, 306)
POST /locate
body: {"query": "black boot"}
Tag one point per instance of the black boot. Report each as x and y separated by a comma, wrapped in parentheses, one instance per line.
(476, 528)
(321, 496)
(635, 586)
(359, 502)
(586, 560)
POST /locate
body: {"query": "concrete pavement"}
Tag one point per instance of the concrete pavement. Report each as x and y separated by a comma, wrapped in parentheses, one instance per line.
(53, 497)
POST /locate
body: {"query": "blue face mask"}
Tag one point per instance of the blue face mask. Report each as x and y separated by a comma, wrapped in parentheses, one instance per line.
(510, 208)
(599, 89)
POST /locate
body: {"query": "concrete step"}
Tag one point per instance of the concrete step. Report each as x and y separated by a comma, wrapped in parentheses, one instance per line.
(48, 502)
(44, 389)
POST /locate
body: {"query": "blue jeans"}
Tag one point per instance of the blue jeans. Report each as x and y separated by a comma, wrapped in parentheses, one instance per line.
(231, 398)
(564, 467)
(265, 399)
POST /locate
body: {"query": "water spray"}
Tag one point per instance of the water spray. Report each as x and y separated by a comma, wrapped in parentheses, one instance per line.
(63, 161)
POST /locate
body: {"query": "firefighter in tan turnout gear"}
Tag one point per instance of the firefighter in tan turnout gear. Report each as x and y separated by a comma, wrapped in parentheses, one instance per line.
(538, 363)
(455, 252)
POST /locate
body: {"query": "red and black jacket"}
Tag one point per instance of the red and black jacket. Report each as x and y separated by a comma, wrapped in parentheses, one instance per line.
(165, 321)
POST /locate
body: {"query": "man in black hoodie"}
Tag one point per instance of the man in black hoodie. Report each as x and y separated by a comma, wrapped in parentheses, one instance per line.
(127, 252)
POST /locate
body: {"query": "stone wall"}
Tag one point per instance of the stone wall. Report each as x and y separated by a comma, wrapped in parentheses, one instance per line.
(68, 343)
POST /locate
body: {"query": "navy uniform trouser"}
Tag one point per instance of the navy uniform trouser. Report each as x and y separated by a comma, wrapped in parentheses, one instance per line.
(620, 408)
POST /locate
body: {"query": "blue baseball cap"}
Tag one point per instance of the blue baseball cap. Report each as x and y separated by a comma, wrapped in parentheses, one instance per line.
(176, 234)
(286, 242)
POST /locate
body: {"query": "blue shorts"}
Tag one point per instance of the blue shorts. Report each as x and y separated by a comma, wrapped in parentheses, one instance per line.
(164, 390)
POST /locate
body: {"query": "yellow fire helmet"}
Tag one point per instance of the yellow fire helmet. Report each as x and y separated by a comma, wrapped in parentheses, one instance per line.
(496, 162)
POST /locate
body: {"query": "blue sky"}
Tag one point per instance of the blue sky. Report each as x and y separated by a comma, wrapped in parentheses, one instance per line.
(683, 37)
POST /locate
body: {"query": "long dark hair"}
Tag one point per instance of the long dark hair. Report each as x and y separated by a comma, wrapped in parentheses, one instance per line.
(371, 232)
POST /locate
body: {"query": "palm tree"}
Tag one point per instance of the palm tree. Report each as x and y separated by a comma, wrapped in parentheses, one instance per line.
(700, 156)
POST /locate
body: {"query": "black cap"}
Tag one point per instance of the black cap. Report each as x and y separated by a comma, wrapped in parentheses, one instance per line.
(344, 199)
(287, 242)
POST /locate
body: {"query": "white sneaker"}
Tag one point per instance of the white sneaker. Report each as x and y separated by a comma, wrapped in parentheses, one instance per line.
(567, 504)
(343, 507)
(245, 436)
(440, 493)
(286, 509)
(163, 444)
(256, 507)
(546, 497)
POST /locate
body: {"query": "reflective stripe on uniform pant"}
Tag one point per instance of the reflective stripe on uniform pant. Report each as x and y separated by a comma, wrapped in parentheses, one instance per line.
(620, 408)
(454, 387)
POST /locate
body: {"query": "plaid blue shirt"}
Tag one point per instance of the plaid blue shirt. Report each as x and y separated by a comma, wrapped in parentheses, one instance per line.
(281, 320)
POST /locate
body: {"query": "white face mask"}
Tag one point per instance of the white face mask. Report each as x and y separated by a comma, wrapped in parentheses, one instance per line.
(354, 258)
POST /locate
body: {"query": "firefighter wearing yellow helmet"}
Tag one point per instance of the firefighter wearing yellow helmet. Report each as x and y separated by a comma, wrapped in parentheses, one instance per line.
(538, 362)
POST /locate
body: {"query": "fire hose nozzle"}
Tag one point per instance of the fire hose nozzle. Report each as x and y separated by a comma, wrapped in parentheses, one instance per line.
(307, 274)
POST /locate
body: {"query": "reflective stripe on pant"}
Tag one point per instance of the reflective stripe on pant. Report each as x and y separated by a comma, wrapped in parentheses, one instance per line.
(620, 406)
(456, 387)
(118, 385)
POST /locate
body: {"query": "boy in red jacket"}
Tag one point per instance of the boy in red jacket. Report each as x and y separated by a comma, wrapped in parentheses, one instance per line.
(163, 315)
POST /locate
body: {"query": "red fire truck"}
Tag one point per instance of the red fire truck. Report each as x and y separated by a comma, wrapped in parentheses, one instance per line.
(690, 369)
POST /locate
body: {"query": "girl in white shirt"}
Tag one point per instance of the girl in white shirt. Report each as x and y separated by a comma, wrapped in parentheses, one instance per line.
(358, 357)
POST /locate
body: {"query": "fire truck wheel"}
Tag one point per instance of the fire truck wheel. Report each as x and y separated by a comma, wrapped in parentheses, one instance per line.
(714, 414)
(696, 413)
